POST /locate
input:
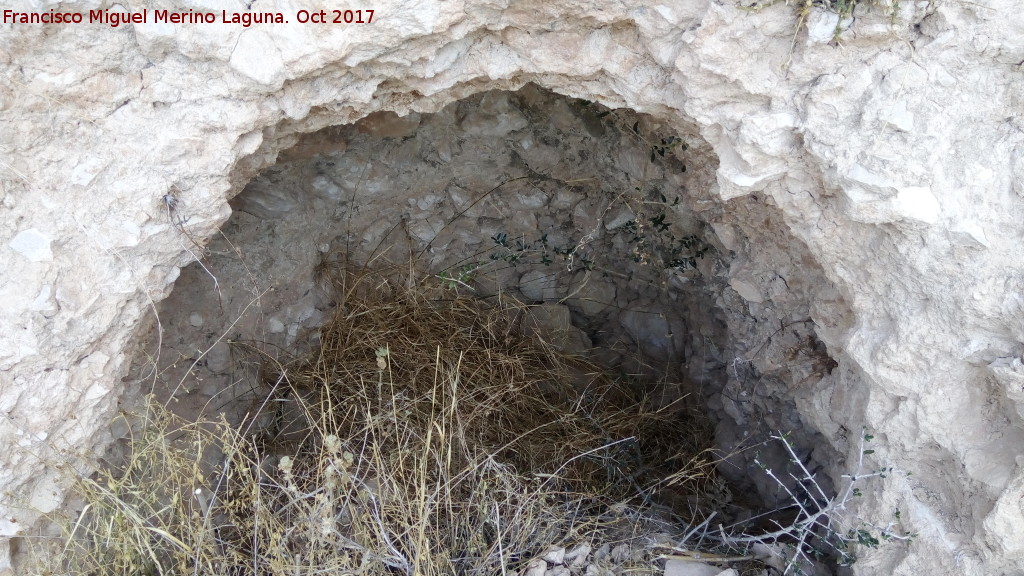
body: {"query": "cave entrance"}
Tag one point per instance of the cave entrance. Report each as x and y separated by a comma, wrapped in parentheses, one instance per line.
(592, 214)
(599, 223)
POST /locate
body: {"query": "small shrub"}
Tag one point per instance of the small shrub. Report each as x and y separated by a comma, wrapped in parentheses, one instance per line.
(822, 526)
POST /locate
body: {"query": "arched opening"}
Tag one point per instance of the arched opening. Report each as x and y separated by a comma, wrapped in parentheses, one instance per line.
(600, 224)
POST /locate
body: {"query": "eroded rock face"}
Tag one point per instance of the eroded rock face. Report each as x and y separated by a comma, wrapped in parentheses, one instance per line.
(892, 165)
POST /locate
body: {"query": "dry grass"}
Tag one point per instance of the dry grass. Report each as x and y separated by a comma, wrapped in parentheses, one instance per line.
(425, 436)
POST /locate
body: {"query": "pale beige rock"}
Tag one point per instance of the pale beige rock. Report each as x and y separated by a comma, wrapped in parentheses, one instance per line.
(535, 567)
(870, 157)
(1003, 522)
(6, 569)
(551, 324)
(540, 285)
(674, 567)
(577, 555)
(555, 555)
(592, 293)
(389, 125)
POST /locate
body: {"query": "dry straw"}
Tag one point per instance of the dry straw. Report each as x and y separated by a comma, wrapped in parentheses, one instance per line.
(424, 436)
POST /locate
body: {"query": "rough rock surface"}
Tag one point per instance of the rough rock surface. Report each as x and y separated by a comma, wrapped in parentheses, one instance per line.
(891, 166)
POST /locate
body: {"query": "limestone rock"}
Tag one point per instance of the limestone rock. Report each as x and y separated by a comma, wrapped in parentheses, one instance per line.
(550, 323)
(674, 567)
(592, 293)
(555, 555)
(540, 285)
(577, 555)
(658, 334)
(389, 125)
(878, 184)
(496, 116)
(536, 567)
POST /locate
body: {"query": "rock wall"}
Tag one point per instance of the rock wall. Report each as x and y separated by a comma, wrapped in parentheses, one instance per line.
(891, 161)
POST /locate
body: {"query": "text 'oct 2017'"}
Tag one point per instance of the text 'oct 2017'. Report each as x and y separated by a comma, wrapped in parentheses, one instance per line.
(115, 18)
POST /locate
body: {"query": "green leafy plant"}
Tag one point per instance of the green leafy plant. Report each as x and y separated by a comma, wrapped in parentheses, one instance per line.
(453, 279)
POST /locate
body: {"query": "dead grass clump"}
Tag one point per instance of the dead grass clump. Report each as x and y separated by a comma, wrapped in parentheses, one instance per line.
(425, 436)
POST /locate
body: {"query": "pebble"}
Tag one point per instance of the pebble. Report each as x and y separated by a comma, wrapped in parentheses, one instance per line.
(578, 555)
(555, 555)
(218, 358)
(536, 567)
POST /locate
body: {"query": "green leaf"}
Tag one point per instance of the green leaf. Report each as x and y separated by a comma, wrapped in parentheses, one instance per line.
(865, 538)
(659, 222)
